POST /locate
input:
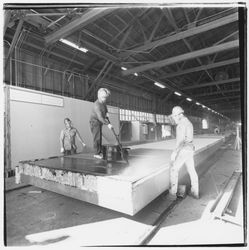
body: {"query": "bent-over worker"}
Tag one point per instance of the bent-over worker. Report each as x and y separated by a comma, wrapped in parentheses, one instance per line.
(99, 117)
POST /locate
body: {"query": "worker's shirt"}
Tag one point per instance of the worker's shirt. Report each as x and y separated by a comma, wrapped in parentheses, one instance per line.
(68, 138)
(184, 133)
(99, 112)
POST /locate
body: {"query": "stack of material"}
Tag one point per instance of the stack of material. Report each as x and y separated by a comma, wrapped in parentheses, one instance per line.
(79, 180)
(220, 208)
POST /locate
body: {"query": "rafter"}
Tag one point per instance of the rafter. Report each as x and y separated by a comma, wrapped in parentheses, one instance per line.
(220, 98)
(200, 68)
(7, 16)
(129, 25)
(229, 110)
(87, 17)
(14, 40)
(237, 79)
(186, 56)
(155, 28)
(218, 92)
(183, 34)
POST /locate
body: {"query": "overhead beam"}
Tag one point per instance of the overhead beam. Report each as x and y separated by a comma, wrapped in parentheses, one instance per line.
(217, 92)
(166, 98)
(221, 98)
(7, 16)
(186, 56)
(229, 110)
(155, 28)
(237, 79)
(184, 34)
(87, 17)
(80, 64)
(130, 24)
(14, 40)
(200, 68)
(99, 52)
(123, 40)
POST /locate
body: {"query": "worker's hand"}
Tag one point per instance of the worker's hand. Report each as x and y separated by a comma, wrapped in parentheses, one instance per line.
(173, 156)
(110, 126)
(62, 150)
(83, 144)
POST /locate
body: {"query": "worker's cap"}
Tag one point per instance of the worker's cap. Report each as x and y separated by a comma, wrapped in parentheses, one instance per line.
(177, 110)
(104, 91)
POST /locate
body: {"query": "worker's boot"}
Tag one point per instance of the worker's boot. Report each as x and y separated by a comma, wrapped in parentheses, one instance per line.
(172, 197)
(181, 191)
(193, 193)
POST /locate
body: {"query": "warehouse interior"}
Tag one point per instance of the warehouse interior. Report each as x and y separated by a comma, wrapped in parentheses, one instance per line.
(151, 58)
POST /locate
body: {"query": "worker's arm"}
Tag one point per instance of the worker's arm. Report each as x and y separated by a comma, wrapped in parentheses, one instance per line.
(109, 123)
(62, 141)
(79, 138)
(180, 138)
(99, 115)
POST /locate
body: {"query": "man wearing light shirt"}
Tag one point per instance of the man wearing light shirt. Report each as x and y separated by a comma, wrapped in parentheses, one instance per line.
(99, 117)
(183, 153)
(67, 138)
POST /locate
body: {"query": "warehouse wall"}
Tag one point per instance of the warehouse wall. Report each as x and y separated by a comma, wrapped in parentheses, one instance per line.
(35, 125)
(42, 73)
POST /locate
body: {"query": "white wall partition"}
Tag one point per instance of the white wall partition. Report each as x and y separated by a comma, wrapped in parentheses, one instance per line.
(37, 118)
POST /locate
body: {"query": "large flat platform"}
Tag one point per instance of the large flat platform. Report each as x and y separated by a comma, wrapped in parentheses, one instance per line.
(121, 187)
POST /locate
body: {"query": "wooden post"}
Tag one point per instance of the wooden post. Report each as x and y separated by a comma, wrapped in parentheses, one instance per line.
(7, 139)
(237, 143)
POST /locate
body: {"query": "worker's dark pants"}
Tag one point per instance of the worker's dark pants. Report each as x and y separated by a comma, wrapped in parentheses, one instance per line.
(70, 152)
(96, 129)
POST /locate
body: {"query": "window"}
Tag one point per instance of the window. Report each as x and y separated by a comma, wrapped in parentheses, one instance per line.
(204, 124)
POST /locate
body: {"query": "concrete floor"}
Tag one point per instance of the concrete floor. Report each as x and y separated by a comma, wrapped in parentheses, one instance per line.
(191, 221)
(39, 217)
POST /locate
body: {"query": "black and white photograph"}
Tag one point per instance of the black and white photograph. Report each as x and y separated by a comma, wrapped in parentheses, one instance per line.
(124, 124)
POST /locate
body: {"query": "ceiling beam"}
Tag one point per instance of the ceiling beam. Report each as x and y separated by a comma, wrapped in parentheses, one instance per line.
(80, 64)
(7, 16)
(130, 24)
(220, 98)
(14, 40)
(155, 28)
(184, 34)
(200, 68)
(217, 92)
(87, 17)
(100, 52)
(186, 56)
(237, 79)
(229, 110)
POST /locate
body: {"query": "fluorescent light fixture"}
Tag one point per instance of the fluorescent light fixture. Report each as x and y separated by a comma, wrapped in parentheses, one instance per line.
(159, 85)
(197, 103)
(203, 106)
(189, 99)
(135, 74)
(83, 50)
(123, 68)
(177, 93)
(71, 44)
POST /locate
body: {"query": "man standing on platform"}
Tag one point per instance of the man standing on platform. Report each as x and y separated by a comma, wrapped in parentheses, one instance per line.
(97, 119)
(183, 153)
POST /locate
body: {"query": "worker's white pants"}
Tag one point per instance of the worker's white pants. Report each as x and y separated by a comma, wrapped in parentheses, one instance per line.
(186, 155)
